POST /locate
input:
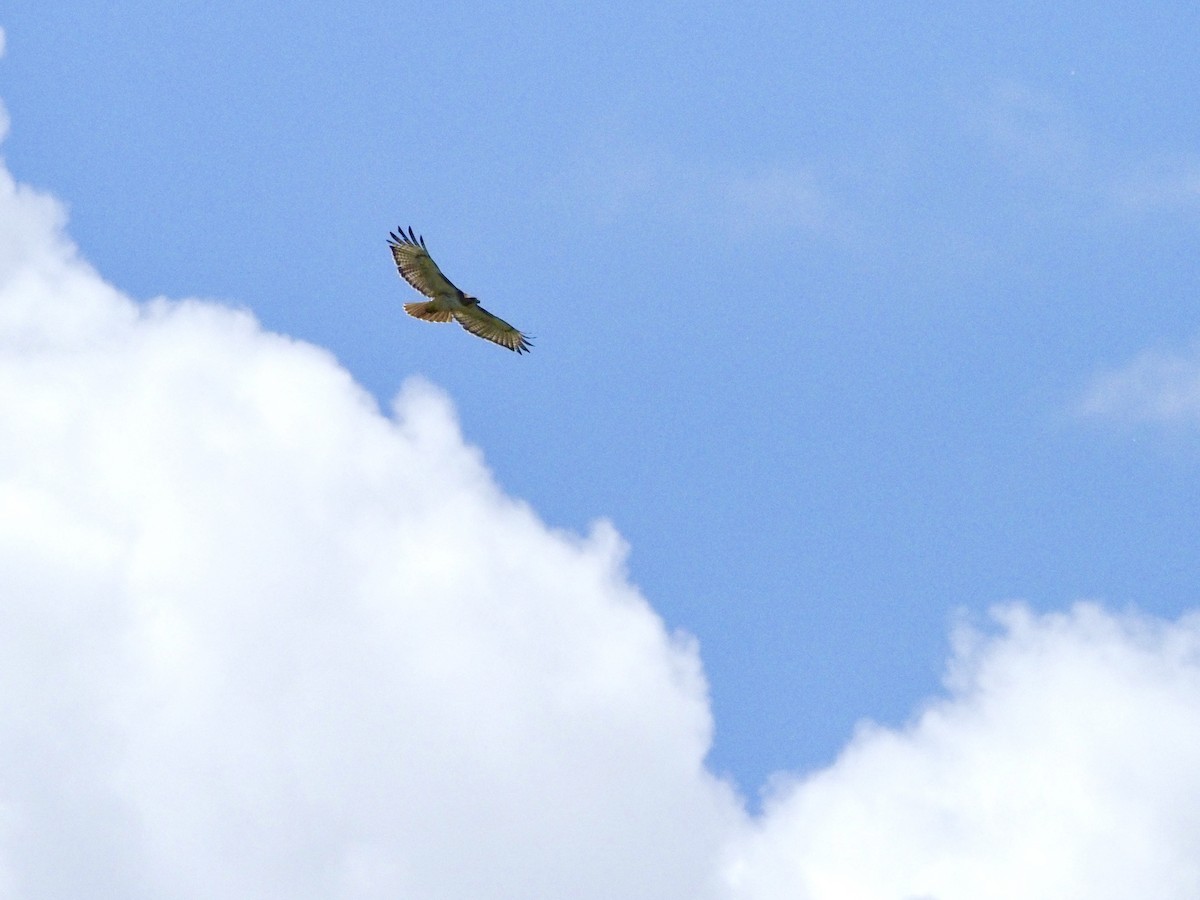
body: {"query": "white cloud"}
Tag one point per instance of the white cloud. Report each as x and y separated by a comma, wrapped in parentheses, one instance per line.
(1158, 387)
(1062, 765)
(260, 640)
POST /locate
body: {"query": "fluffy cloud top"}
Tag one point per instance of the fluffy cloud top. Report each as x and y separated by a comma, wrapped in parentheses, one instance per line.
(258, 639)
(1062, 765)
(262, 641)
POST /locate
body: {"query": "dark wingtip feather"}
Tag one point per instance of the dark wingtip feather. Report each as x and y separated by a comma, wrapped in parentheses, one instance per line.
(400, 236)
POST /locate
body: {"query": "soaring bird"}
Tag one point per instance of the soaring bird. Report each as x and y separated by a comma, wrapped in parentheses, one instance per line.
(446, 301)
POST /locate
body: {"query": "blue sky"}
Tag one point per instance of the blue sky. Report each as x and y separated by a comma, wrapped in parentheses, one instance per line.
(818, 289)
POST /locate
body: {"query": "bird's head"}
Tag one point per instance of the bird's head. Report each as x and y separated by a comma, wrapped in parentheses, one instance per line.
(469, 300)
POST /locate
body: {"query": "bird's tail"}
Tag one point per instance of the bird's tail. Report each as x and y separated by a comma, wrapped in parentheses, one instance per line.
(427, 312)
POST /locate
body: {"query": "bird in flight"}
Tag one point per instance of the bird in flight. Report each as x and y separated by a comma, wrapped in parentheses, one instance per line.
(446, 301)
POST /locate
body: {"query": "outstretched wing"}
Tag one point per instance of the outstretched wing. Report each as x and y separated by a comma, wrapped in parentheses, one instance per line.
(417, 266)
(482, 323)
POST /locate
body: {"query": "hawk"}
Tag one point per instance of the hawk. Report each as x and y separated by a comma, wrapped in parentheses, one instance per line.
(446, 301)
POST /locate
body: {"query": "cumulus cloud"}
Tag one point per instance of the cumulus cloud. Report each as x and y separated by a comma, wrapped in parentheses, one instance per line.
(261, 639)
(1157, 387)
(1063, 764)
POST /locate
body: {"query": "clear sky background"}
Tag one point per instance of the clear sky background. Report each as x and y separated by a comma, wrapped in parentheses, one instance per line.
(853, 321)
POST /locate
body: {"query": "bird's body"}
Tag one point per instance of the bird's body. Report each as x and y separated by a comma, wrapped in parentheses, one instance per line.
(446, 302)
